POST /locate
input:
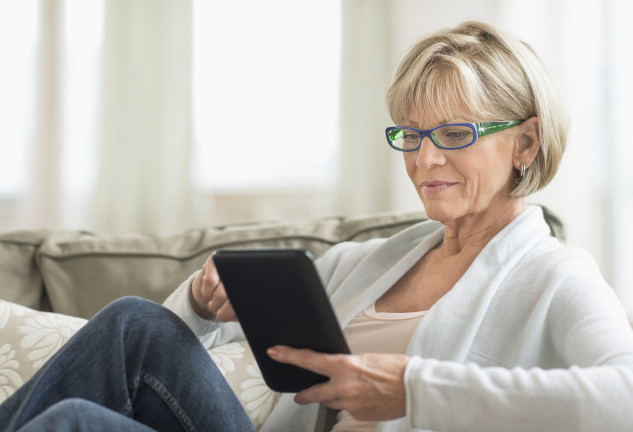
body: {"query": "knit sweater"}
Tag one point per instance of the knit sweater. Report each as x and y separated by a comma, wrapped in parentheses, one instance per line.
(530, 338)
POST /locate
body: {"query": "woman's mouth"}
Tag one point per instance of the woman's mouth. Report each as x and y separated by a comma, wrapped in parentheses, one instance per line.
(435, 187)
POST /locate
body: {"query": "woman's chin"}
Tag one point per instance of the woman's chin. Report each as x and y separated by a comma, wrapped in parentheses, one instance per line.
(441, 212)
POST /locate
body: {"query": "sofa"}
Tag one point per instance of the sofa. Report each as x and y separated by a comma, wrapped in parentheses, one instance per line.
(52, 281)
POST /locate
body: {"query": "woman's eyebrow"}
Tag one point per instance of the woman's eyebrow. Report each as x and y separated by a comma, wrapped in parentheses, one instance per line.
(413, 124)
(455, 120)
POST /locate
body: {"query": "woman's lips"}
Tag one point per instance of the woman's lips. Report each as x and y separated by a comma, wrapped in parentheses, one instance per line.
(435, 187)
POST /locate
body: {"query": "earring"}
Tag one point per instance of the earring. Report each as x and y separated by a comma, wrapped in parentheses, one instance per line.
(522, 169)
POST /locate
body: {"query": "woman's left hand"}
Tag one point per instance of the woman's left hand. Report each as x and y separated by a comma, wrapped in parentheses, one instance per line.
(368, 386)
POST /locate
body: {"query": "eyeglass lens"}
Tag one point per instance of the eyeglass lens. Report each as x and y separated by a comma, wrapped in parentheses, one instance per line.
(448, 136)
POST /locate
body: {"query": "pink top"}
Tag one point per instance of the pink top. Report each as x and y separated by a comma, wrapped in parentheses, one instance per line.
(382, 332)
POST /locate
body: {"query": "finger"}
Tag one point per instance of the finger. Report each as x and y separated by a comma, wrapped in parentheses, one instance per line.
(316, 362)
(323, 393)
(218, 298)
(331, 400)
(226, 313)
(197, 298)
(210, 280)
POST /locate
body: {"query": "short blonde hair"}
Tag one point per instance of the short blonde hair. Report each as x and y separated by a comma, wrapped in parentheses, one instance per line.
(494, 74)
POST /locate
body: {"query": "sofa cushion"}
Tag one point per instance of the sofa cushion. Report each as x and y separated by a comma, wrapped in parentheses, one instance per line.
(20, 280)
(82, 272)
(236, 362)
(28, 338)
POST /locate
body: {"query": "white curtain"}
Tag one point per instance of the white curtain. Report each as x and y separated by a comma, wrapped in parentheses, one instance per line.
(44, 196)
(146, 120)
(364, 183)
(614, 143)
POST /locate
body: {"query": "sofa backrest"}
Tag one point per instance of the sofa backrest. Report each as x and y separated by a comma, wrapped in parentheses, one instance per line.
(77, 273)
(20, 279)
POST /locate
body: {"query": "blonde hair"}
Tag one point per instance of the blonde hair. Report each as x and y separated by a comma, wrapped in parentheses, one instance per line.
(495, 75)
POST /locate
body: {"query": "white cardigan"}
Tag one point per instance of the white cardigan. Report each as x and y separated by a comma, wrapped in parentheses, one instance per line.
(530, 338)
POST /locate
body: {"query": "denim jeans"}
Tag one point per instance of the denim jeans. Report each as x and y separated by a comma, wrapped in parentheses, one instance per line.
(135, 366)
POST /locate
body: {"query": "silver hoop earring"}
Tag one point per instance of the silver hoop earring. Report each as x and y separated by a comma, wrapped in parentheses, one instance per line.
(522, 169)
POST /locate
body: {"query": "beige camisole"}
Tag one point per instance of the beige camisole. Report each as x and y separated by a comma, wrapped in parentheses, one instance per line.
(376, 332)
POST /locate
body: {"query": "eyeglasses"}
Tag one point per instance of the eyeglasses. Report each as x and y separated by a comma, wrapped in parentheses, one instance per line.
(450, 136)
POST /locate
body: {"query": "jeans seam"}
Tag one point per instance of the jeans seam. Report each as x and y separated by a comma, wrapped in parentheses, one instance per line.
(158, 387)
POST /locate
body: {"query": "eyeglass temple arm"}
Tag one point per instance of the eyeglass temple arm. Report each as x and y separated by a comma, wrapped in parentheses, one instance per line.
(487, 128)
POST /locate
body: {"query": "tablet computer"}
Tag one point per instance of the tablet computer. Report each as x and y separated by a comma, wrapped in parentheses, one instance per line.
(279, 299)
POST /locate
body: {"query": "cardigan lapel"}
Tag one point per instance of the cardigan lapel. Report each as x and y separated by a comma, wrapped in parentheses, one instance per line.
(449, 328)
(382, 267)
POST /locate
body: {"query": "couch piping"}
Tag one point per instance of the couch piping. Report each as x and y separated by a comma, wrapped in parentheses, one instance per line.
(22, 243)
(227, 244)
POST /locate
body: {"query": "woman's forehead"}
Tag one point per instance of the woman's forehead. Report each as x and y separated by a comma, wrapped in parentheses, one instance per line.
(428, 115)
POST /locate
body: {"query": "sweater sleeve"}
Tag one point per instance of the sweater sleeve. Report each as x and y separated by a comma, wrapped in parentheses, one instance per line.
(457, 397)
(591, 390)
(210, 332)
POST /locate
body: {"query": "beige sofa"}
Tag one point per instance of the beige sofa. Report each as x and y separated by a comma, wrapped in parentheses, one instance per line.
(52, 281)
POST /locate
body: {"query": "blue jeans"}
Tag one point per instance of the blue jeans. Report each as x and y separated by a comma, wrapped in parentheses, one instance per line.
(135, 366)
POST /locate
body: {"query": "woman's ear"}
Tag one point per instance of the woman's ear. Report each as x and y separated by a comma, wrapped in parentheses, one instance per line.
(528, 143)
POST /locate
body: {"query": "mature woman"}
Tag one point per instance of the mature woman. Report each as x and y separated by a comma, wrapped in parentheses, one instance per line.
(476, 321)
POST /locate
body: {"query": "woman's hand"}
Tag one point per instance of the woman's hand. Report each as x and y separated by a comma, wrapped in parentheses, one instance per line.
(369, 386)
(208, 297)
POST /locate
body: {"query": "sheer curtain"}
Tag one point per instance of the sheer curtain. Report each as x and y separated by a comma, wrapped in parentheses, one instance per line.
(96, 117)
(48, 136)
(47, 111)
(616, 143)
(366, 169)
(146, 119)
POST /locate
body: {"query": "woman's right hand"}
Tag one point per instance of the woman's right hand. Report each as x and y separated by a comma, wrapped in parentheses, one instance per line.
(208, 296)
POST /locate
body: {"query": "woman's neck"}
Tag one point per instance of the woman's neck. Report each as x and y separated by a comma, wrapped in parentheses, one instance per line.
(472, 233)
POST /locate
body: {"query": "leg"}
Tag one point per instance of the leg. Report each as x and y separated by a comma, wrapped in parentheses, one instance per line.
(138, 359)
(73, 415)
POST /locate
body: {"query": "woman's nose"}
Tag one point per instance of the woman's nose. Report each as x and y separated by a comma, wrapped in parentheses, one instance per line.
(429, 154)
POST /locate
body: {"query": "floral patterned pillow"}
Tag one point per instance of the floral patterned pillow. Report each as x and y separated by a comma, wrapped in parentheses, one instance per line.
(28, 338)
(237, 363)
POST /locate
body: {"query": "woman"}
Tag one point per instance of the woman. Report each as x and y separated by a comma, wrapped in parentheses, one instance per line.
(476, 321)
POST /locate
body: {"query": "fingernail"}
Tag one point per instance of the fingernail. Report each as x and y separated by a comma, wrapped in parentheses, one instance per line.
(273, 352)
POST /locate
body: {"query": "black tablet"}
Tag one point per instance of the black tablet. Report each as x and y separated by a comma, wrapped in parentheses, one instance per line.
(279, 299)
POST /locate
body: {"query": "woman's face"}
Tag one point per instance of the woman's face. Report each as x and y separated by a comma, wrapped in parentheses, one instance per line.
(458, 185)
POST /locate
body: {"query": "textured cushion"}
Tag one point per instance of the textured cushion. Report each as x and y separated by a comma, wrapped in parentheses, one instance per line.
(237, 363)
(83, 272)
(28, 338)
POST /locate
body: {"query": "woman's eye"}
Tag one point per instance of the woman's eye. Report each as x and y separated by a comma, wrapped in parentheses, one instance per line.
(411, 138)
(455, 133)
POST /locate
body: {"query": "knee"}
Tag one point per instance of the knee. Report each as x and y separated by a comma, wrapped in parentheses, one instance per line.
(125, 310)
(136, 312)
(69, 411)
(68, 407)
(70, 415)
(130, 306)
